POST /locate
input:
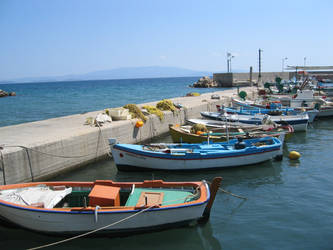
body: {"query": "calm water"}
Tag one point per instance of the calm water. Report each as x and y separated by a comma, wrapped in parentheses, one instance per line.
(289, 206)
(40, 101)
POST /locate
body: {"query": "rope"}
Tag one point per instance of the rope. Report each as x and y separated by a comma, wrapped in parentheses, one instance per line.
(98, 139)
(3, 166)
(48, 154)
(185, 114)
(227, 192)
(32, 175)
(93, 231)
(103, 139)
(112, 224)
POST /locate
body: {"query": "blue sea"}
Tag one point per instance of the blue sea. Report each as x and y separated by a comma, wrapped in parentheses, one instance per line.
(40, 101)
(289, 203)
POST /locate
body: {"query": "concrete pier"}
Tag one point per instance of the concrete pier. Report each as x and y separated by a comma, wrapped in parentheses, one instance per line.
(39, 150)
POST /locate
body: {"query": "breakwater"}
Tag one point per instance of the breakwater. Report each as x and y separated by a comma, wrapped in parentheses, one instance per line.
(42, 149)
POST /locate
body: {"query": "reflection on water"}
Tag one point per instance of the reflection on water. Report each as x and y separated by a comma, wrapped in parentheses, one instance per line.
(206, 235)
(289, 204)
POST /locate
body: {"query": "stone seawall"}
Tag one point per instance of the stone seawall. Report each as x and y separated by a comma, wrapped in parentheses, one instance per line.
(40, 150)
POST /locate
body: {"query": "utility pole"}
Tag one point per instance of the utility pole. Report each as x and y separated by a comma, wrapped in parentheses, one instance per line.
(259, 75)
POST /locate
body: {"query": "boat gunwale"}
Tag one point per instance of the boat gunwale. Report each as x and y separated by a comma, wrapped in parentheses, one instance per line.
(203, 199)
(234, 153)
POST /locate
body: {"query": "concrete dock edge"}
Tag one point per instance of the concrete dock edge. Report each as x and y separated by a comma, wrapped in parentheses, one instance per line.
(39, 150)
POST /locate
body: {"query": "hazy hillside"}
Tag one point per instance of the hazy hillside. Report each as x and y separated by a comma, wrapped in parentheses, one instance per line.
(118, 73)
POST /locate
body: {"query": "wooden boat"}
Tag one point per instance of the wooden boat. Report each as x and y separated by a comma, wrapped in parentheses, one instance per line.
(211, 124)
(180, 134)
(194, 156)
(299, 122)
(325, 85)
(77, 207)
(272, 112)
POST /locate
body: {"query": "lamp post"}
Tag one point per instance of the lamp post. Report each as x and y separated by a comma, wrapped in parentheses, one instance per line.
(259, 75)
(283, 61)
(229, 57)
(304, 61)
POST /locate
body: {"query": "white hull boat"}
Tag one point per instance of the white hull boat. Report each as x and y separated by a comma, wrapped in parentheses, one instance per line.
(194, 156)
(44, 208)
(299, 122)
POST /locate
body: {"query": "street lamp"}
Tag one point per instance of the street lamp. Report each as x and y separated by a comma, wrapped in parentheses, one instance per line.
(283, 61)
(229, 57)
(304, 62)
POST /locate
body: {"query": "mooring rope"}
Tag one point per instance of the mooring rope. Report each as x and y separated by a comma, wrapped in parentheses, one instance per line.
(91, 232)
(3, 166)
(227, 192)
(48, 154)
(104, 139)
(30, 166)
(235, 195)
(64, 156)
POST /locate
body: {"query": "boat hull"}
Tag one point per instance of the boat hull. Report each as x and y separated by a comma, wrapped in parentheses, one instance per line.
(298, 123)
(325, 112)
(109, 218)
(179, 136)
(79, 222)
(130, 160)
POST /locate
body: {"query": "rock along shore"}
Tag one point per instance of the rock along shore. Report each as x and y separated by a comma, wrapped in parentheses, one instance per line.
(4, 93)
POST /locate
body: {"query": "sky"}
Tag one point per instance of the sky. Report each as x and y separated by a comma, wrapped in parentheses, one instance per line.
(41, 38)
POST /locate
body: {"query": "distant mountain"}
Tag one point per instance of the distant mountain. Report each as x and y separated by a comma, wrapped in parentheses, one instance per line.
(118, 73)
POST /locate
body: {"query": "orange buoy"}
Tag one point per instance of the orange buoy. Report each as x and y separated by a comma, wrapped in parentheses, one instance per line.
(139, 124)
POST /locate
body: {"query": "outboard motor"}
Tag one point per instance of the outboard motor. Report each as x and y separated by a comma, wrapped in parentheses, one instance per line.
(240, 144)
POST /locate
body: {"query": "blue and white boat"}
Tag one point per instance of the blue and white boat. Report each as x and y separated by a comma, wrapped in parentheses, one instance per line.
(325, 85)
(299, 122)
(194, 156)
(272, 112)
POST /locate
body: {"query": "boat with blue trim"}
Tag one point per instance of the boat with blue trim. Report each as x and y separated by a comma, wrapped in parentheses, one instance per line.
(198, 156)
(299, 122)
(272, 112)
(106, 206)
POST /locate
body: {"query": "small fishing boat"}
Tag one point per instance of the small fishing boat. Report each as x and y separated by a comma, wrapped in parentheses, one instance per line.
(303, 100)
(211, 124)
(259, 103)
(194, 156)
(106, 206)
(299, 122)
(272, 112)
(181, 134)
(325, 85)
